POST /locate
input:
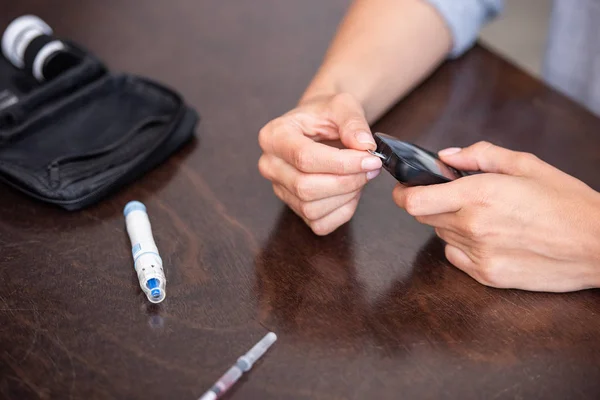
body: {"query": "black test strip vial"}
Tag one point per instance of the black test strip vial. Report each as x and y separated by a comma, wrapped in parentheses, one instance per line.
(28, 44)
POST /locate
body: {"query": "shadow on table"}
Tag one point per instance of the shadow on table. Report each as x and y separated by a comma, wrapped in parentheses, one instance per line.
(440, 308)
(308, 287)
(307, 284)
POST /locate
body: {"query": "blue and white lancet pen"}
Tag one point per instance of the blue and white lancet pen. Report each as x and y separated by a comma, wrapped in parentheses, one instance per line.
(147, 261)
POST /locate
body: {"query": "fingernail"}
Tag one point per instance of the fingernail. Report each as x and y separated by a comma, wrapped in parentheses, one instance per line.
(364, 137)
(373, 174)
(371, 163)
(449, 151)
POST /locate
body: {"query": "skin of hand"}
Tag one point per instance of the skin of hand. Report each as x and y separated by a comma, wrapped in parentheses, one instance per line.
(321, 183)
(362, 75)
(521, 224)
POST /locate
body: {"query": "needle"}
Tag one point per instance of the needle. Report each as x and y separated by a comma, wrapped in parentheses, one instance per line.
(376, 154)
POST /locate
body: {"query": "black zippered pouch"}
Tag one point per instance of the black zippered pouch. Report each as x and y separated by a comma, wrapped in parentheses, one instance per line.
(88, 132)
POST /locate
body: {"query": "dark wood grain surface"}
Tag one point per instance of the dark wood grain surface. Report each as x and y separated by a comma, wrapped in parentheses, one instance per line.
(371, 311)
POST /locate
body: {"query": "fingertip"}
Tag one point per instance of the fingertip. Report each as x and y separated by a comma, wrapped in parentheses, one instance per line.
(373, 174)
(371, 163)
(457, 157)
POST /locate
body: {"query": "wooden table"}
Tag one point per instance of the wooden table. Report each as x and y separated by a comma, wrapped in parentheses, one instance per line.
(371, 311)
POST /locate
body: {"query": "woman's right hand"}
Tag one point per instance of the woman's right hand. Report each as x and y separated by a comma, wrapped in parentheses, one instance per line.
(322, 184)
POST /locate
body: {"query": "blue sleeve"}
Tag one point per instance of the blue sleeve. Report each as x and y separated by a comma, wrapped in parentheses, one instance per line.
(465, 18)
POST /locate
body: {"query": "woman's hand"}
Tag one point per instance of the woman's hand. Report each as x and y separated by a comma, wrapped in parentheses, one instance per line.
(322, 184)
(522, 224)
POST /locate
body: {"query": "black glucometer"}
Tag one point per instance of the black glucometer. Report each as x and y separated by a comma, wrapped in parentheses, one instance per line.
(410, 164)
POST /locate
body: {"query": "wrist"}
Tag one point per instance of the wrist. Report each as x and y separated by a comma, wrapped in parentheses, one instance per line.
(332, 80)
(320, 87)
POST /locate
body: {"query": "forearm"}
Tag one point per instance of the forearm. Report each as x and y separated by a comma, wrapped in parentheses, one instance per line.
(383, 48)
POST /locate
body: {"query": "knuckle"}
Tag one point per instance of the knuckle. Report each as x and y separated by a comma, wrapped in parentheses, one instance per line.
(348, 210)
(489, 272)
(303, 159)
(263, 167)
(352, 182)
(309, 211)
(526, 162)
(320, 228)
(278, 191)
(421, 219)
(265, 135)
(474, 228)
(412, 202)
(354, 122)
(339, 165)
(342, 168)
(442, 234)
(480, 148)
(278, 123)
(530, 157)
(482, 251)
(302, 188)
(483, 195)
(482, 145)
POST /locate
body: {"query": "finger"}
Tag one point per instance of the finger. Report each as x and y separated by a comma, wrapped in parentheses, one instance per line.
(453, 221)
(530, 272)
(486, 157)
(460, 260)
(315, 125)
(455, 239)
(440, 221)
(434, 199)
(286, 141)
(347, 113)
(282, 193)
(313, 210)
(334, 220)
(460, 241)
(311, 187)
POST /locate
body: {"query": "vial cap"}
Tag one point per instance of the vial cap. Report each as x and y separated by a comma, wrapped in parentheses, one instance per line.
(14, 29)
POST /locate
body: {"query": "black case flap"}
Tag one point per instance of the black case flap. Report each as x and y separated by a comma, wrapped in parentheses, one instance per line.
(77, 138)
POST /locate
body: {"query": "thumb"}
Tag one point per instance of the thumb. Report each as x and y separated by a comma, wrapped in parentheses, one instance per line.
(347, 113)
(486, 157)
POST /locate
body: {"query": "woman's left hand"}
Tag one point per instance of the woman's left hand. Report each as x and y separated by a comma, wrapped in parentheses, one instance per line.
(522, 224)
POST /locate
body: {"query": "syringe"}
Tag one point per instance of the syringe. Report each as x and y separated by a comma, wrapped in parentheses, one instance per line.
(243, 364)
(147, 261)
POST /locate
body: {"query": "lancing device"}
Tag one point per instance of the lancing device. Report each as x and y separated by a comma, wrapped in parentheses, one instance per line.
(243, 364)
(147, 261)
